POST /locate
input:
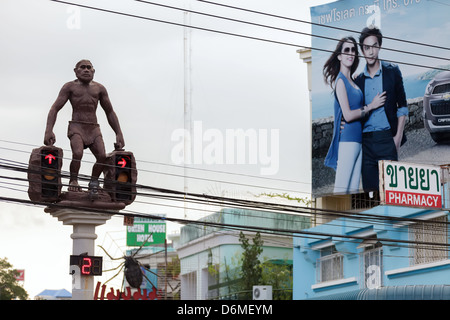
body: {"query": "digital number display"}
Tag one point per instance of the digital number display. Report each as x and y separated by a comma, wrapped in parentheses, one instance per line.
(89, 265)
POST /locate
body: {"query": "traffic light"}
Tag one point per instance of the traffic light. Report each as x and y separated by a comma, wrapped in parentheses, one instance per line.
(89, 265)
(44, 174)
(121, 176)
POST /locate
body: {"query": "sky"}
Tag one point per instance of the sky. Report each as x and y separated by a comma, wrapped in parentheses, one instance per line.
(233, 85)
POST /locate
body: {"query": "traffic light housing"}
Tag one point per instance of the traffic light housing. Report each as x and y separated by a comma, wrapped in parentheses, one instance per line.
(44, 174)
(120, 176)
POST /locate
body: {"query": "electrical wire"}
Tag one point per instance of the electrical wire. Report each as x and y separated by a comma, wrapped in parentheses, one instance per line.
(167, 165)
(185, 199)
(253, 214)
(87, 178)
(236, 20)
(164, 193)
(278, 231)
(169, 194)
(185, 167)
(228, 226)
(281, 29)
(228, 33)
(141, 186)
(318, 24)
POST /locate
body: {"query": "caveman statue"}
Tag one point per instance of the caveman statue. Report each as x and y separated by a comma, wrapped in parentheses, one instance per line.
(84, 131)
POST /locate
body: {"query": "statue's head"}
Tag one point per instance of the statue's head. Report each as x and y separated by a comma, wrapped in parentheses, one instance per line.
(84, 70)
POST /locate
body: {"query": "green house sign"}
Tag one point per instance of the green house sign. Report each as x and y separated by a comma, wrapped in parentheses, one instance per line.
(146, 231)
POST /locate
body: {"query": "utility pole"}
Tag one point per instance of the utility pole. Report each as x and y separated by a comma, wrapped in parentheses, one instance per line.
(165, 277)
(188, 156)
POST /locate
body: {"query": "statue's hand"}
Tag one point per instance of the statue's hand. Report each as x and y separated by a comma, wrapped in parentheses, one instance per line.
(120, 143)
(49, 139)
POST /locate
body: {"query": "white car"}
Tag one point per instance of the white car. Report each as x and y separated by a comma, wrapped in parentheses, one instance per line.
(436, 107)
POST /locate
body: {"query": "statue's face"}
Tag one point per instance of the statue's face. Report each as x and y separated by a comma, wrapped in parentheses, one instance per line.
(84, 71)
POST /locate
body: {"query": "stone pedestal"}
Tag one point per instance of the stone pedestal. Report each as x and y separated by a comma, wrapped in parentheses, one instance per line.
(84, 223)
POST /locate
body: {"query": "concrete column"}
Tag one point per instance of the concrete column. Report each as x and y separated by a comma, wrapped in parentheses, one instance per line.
(84, 223)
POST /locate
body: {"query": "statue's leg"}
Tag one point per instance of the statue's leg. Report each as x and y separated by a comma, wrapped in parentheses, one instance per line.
(76, 143)
(98, 150)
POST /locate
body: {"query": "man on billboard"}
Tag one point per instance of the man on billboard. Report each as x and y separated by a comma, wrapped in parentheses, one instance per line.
(383, 128)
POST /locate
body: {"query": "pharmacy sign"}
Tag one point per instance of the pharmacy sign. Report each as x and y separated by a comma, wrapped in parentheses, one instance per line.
(412, 185)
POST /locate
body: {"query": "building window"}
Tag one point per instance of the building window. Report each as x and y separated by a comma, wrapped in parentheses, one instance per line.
(329, 265)
(434, 231)
(189, 286)
(371, 264)
(365, 200)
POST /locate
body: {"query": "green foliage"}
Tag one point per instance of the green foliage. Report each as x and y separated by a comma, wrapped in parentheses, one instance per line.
(236, 277)
(251, 269)
(279, 276)
(254, 272)
(9, 287)
(286, 196)
(173, 267)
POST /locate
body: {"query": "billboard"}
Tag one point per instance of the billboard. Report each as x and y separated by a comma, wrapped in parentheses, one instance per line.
(20, 275)
(415, 42)
(146, 232)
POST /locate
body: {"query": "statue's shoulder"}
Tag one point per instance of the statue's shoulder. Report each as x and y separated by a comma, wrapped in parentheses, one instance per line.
(98, 86)
(71, 84)
(68, 87)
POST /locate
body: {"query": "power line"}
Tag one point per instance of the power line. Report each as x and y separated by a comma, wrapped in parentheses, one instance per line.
(224, 227)
(169, 194)
(242, 21)
(228, 33)
(57, 1)
(163, 164)
(250, 212)
(87, 178)
(370, 218)
(196, 199)
(318, 24)
(202, 178)
(281, 29)
(235, 227)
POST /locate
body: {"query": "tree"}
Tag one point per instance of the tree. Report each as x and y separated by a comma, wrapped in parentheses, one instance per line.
(9, 286)
(251, 269)
(278, 274)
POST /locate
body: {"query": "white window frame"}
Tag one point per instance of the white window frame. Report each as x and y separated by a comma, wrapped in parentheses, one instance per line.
(372, 272)
(330, 266)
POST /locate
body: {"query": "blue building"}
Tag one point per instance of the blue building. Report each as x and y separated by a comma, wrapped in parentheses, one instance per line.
(47, 294)
(387, 252)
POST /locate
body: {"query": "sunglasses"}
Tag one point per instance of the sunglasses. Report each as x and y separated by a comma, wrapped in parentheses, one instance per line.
(349, 49)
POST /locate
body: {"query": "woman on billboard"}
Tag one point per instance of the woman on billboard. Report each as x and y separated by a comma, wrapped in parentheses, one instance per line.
(344, 154)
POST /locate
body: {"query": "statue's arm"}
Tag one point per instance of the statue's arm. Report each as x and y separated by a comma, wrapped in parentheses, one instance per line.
(112, 117)
(63, 97)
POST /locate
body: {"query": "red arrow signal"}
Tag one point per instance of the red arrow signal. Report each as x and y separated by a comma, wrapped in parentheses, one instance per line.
(122, 162)
(50, 158)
